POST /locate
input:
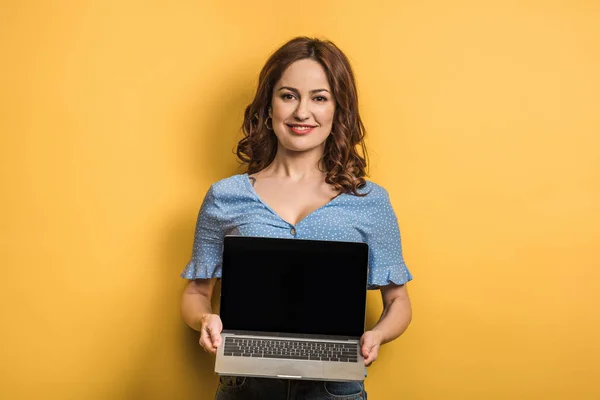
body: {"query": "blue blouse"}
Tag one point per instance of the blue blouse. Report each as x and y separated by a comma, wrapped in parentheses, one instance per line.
(232, 207)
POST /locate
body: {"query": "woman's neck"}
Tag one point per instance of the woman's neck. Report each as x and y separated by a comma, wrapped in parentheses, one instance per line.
(296, 165)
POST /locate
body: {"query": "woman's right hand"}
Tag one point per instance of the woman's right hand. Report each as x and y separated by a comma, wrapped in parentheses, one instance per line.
(210, 333)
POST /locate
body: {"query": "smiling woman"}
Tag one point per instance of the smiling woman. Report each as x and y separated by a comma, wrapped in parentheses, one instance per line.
(304, 148)
(307, 86)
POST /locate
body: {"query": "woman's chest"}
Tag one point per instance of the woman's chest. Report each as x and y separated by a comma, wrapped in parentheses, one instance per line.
(335, 221)
(293, 202)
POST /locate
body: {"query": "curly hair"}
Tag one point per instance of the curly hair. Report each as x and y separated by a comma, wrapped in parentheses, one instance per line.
(345, 156)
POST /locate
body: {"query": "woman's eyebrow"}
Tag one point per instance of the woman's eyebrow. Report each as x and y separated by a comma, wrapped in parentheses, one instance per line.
(291, 89)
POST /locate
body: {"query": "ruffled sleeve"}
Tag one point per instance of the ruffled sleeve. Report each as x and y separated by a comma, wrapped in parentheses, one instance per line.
(386, 262)
(207, 254)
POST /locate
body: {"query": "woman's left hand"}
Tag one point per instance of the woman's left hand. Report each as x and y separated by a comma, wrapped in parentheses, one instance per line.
(369, 345)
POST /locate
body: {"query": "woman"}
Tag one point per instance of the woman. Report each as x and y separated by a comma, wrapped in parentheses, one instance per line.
(305, 180)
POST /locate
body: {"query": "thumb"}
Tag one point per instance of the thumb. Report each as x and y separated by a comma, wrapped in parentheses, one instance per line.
(366, 345)
(214, 335)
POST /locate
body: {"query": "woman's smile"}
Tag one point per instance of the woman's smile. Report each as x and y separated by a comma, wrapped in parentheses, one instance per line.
(301, 129)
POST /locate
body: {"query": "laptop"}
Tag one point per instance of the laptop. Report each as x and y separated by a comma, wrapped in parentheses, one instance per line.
(292, 308)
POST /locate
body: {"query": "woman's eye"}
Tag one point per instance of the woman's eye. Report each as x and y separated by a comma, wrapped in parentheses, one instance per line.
(320, 98)
(287, 96)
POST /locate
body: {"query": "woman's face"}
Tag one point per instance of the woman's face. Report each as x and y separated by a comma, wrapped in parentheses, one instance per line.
(303, 107)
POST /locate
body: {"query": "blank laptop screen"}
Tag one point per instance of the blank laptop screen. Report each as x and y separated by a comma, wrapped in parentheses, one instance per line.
(294, 286)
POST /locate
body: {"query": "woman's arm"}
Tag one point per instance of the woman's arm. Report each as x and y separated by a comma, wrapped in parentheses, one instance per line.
(394, 320)
(397, 312)
(197, 312)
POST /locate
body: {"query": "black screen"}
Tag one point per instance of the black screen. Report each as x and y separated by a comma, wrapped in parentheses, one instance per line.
(294, 286)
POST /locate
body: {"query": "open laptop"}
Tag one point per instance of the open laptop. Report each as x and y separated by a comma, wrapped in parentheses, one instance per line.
(292, 308)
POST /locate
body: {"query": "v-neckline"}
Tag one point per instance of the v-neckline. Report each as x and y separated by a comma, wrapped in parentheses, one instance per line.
(249, 185)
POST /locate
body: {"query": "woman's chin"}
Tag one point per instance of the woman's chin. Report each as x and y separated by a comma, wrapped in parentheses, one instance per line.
(295, 148)
(301, 144)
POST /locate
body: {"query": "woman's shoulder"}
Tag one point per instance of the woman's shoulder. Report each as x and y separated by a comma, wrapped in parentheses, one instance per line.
(229, 191)
(373, 191)
(232, 184)
(375, 203)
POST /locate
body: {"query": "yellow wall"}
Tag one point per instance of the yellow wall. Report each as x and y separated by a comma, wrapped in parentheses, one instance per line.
(484, 125)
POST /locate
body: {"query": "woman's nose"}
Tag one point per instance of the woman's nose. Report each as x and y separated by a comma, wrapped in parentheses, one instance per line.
(302, 112)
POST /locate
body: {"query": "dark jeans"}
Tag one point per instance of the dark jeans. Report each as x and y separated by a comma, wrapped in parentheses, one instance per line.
(242, 388)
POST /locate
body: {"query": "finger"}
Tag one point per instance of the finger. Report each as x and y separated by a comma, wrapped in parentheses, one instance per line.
(365, 352)
(367, 345)
(372, 357)
(216, 337)
(214, 334)
(205, 341)
(211, 339)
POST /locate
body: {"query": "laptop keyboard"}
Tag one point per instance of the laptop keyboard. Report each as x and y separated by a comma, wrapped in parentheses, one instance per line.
(290, 349)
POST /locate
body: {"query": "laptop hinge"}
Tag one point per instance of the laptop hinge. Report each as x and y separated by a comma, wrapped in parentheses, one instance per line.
(292, 336)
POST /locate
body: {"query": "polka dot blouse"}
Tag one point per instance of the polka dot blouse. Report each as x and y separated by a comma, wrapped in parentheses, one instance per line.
(232, 207)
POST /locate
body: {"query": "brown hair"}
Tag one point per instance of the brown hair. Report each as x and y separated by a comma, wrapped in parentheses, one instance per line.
(344, 165)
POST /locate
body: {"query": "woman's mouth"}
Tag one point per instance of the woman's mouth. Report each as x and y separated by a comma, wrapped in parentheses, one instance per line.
(301, 129)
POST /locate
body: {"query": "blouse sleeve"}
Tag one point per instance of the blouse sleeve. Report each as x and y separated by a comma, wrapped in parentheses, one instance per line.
(386, 263)
(207, 254)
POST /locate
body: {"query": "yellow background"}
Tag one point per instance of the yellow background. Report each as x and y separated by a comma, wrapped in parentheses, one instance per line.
(483, 123)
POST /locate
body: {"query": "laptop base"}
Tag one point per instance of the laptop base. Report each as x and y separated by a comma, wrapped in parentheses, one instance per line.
(284, 369)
